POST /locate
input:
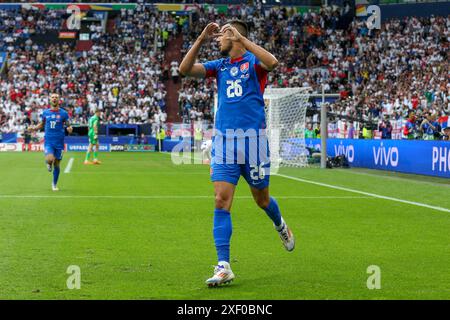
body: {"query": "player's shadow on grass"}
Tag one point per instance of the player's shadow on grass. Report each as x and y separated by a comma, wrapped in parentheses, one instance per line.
(225, 286)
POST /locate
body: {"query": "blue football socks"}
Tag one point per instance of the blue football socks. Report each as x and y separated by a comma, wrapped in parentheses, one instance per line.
(273, 211)
(55, 175)
(222, 234)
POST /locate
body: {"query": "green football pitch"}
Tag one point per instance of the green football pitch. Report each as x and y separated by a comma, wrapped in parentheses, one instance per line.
(139, 227)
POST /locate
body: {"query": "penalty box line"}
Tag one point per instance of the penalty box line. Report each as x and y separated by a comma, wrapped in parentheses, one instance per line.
(374, 195)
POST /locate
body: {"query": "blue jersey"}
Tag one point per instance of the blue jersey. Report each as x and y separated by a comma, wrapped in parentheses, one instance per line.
(54, 125)
(240, 84)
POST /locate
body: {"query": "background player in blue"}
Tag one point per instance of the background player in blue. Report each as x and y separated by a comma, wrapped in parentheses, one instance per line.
(241, 78)
(53, 120)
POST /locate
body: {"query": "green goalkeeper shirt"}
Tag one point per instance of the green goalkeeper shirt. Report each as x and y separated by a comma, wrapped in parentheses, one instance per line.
(93, 123)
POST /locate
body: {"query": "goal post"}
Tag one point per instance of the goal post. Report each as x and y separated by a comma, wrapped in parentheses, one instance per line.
(286, 122)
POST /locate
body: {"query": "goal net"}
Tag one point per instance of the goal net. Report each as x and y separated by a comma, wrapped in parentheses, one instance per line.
(286, 117)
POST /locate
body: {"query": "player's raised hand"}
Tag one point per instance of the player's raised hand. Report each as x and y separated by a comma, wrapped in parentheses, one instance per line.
(231, 33)
(211, 31)
(69, 130)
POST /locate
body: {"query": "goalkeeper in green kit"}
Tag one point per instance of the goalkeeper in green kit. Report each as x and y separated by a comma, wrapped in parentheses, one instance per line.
(93, 138)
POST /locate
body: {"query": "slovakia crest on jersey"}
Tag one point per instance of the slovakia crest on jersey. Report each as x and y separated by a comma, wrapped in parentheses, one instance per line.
(244, 67)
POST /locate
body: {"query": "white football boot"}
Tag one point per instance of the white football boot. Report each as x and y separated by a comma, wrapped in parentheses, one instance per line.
(54, 187)
(286, 236)
(222, 275)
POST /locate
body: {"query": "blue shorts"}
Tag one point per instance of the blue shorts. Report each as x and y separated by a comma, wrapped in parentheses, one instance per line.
(55, 149)
(248, 157)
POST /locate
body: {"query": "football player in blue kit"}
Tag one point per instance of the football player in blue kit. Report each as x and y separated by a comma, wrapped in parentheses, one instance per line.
(240, 145)
(54, 120)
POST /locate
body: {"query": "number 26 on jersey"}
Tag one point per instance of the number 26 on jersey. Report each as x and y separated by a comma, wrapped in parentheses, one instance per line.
(234, 88)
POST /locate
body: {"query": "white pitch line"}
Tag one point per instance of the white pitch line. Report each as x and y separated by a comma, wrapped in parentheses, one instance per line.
(69, 166)
(209, 197)
(145, 173)
(365, 193)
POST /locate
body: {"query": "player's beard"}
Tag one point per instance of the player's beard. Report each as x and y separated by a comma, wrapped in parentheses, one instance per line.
(225, 50)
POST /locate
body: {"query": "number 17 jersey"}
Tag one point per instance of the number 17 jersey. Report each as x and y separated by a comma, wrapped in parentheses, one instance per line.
(54, 126)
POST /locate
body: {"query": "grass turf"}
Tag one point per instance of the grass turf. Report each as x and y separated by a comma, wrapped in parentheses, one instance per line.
(149, 234)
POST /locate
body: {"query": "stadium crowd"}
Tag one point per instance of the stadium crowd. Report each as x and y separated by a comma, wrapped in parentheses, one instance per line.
(382, 76)
(122, 74)
(385, 78)
(397, 77)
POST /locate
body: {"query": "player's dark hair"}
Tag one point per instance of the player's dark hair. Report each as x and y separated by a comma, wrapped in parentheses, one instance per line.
(240, 25)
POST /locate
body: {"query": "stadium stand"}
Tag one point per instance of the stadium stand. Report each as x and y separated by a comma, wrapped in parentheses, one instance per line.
(126, 83)
(384, 77)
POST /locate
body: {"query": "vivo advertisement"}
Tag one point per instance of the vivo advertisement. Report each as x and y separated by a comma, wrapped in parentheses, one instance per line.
(418, 157)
